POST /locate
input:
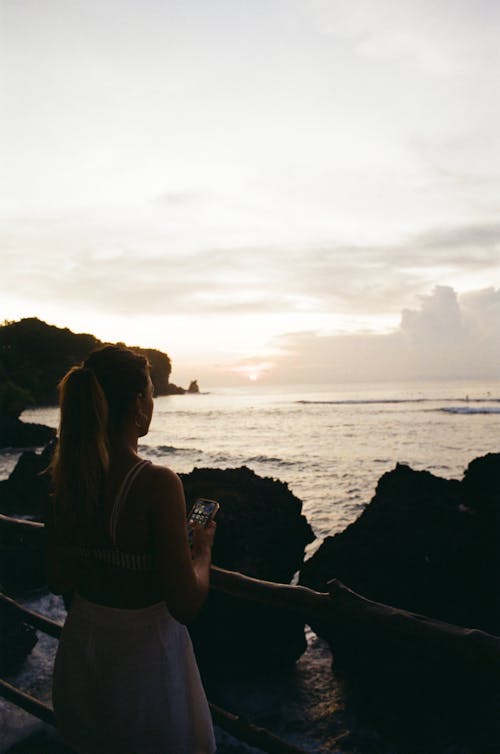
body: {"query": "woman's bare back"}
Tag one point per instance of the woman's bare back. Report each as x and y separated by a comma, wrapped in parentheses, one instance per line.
(109, 584)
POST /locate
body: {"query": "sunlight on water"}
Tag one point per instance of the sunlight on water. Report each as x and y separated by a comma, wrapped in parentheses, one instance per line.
(331, 444)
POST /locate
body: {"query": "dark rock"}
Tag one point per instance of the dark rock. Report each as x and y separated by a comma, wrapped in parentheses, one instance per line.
(22, 566)
(405, 672)
(174, 389)
(262, 533)
(17, 639)
(26, 491)
(18, 434)
(43, 741)
(193, 387)
(260, 527)
(424, 544)
(430, 546)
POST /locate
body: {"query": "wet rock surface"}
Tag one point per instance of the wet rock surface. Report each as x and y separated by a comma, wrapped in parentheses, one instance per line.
(19, 434)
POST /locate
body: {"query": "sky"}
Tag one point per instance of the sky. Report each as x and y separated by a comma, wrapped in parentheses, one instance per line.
(271, 190)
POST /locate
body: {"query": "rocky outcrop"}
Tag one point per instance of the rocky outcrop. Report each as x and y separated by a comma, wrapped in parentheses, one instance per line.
(26, 490)
(177, 390)
(260, 527)
(34, 356)
(430, 546)
(260, 532)
(424, 685)
(13, 400)
(17, 639)
(193, 387)
(174, 389)
(424, 544)
(19, 434)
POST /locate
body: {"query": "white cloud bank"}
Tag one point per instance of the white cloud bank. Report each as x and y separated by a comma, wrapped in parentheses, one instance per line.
(448, 337)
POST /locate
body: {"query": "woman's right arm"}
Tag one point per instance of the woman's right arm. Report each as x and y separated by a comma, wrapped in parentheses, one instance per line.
(184, 571)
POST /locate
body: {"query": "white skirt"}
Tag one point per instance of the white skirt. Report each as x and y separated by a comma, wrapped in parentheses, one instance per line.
(127, 681)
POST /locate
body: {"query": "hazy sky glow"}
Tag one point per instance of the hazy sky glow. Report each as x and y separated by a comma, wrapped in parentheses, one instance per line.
(265, 189)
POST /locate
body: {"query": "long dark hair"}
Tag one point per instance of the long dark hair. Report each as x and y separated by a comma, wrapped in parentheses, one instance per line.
(95, 400)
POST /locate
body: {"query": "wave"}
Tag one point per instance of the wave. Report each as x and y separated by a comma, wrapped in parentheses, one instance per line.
(161, 450)
(270, 459)
(216, 457)
(362, 401)
(383, 401)
(468, 410)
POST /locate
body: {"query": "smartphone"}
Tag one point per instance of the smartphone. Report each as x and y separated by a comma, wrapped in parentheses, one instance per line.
(201, 513)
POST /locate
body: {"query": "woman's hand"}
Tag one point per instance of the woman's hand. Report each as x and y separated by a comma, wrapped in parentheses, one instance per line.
(203, 540)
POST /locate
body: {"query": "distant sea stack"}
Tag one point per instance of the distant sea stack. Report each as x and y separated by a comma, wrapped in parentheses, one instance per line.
(176, 390)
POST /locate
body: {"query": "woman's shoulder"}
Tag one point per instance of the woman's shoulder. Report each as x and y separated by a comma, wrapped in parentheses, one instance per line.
(159, 472)
(161, 483)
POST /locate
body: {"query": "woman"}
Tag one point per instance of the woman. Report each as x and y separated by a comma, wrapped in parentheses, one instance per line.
(125, 676)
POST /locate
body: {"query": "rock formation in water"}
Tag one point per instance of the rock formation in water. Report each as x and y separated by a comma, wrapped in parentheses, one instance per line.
(193, 387)
(260, 532)
(430, 546)
(18, 434)
(424, 544)
(26, 491)
(13, 432)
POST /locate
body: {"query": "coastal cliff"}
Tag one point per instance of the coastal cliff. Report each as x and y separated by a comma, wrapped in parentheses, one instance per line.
(34, 356)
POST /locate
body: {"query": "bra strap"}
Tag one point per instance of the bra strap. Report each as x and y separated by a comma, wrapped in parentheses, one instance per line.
(122, 496)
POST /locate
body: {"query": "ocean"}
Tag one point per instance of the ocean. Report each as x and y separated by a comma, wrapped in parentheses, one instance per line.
(330, 444)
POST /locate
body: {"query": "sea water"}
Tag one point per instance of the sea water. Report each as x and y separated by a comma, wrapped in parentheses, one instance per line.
(331, 444)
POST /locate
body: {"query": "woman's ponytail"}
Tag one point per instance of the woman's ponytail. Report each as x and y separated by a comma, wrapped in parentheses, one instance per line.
(81, 458)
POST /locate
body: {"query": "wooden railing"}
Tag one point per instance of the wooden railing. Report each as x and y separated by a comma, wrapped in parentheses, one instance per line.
(337, 613)
(236, 725)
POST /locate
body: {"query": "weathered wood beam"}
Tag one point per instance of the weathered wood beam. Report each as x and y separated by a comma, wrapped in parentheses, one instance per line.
(21, 523)
(300, 600)
(233, 724)
(27, 702)
(37, 620)
(253, 735)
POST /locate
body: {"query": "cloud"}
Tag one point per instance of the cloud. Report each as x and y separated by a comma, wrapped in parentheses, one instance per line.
(112, 269)
(438, 39)
(447, 337)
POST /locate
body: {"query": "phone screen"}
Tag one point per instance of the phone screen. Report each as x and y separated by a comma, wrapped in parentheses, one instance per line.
(202, 511)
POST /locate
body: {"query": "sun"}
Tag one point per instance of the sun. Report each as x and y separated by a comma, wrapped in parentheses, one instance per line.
(253, 371)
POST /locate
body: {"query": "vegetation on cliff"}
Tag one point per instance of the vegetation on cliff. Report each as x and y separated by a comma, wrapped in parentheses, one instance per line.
(34, 356)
